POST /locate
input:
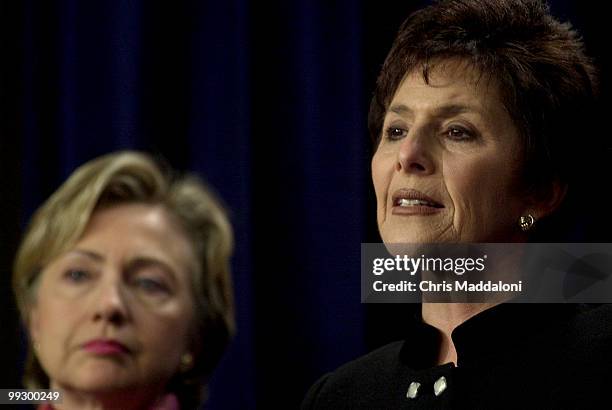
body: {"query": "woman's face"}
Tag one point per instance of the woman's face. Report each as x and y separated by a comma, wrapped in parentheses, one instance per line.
(447, 164)
(114, 312)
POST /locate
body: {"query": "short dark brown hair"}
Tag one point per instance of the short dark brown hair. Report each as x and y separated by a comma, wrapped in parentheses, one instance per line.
(546, 81)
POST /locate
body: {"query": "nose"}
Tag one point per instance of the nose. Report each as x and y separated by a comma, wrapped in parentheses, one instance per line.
(415, 154)
(111, 304)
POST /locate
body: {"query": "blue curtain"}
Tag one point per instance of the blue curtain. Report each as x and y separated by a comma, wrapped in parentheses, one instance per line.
(265, 100)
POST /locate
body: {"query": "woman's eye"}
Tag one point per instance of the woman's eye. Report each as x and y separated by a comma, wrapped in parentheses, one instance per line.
(77, 275)
(458, 134)
(395, 133)
(151, 286)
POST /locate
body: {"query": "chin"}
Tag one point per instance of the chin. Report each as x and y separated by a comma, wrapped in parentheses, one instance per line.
(102, 378)
(101, 385)
(408, 235)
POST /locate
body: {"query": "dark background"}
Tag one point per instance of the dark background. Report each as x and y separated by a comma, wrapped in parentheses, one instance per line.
(267, 101)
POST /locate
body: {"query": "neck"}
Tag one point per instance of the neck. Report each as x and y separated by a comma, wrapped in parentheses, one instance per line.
(123, 399)
(446, 317)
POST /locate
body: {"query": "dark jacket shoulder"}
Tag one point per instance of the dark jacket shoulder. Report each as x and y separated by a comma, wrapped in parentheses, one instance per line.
(359, 381)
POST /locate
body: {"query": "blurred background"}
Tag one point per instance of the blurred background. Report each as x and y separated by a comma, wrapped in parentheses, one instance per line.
(265, 100)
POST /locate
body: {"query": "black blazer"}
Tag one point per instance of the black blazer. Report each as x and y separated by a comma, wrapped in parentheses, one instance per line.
(511, 356)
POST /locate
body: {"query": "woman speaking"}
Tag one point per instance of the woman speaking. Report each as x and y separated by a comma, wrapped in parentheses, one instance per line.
(479, 120)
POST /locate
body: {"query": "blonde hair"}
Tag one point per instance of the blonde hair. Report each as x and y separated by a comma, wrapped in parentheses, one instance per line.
(127, 177)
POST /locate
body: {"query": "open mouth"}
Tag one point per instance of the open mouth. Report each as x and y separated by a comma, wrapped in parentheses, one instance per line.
(403, 202)
(411, 199)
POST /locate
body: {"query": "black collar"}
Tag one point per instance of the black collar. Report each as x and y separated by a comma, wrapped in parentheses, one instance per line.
(497, 329)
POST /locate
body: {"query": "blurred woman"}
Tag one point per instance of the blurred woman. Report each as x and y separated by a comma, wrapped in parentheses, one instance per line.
(477, 118)
(123, 282)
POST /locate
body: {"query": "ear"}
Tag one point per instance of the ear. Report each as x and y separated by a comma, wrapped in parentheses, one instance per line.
(545, 203)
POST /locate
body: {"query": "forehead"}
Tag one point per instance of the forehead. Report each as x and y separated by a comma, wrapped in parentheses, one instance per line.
(139, 228)
(137, 218)
(454, 85)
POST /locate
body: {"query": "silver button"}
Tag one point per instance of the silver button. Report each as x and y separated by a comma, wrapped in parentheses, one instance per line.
(413, 390)
(440, 386)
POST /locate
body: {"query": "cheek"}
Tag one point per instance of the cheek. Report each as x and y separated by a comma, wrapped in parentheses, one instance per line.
(481, 192)
(382, 171)
(166, 332)
(463, 180)
(53, 328)
(50, 309)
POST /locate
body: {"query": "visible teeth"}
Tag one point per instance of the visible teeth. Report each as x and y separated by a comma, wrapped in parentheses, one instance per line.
(413, 202)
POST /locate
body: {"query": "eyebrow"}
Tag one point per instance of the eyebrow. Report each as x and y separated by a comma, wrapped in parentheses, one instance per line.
(90, 254)
(443, 111)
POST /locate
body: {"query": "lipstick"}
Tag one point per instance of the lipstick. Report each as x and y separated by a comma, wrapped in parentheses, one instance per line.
(105, 347)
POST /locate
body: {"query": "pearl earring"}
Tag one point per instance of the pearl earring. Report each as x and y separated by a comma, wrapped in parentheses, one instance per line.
(186, 362)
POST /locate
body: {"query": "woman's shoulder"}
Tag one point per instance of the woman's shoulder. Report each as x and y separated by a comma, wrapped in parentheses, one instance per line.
(594, 313)
(590, 331)
(358, 379)
(381, 360)
(590, 321)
